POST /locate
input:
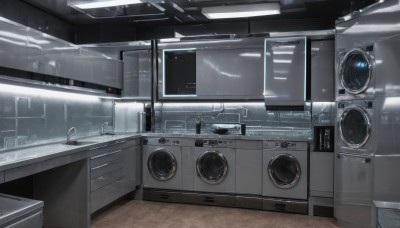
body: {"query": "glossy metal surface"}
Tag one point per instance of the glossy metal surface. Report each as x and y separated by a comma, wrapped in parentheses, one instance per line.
(232, 72)
(214, 60)
(285, 71)
(30, 50)
(322, 71)
(31, 116)
(137, 74)
(249, 169)
(276, 149)
(353, 186)
(127, 116)
(18, 212)
(374, 31)
(170, 118)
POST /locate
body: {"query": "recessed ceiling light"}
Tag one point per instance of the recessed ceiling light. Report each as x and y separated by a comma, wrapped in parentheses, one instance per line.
(239, 11)
(108, 3)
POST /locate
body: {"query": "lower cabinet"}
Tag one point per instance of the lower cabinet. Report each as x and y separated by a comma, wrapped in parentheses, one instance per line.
(113, 174)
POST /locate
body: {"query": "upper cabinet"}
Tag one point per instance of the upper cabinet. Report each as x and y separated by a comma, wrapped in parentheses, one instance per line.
(211, 69)
(322, 70)
(285, 72)
(137, 74)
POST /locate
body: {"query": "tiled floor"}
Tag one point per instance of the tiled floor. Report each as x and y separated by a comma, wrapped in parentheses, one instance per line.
(168, 215)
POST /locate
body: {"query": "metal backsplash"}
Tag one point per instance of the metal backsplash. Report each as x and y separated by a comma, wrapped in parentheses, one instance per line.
(182, 118)
(31, 116)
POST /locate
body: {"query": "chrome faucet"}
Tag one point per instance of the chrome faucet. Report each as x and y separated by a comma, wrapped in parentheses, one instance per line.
(103, 126)
(71, 132)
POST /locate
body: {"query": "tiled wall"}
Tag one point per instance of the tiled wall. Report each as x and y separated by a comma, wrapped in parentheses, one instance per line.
(35, 116)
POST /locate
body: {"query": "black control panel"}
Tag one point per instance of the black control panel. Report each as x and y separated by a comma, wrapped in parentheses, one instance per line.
(214, 143)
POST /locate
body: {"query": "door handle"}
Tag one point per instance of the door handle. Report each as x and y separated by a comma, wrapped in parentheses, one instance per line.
(364, 159)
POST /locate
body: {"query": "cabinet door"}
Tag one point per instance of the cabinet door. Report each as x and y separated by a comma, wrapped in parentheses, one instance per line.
(353, 189)
(115, 178)
(321, 174)
(322, 70)
(230, 73)
(285, 71)
(249, 171)
(137, 74)
(130, 168)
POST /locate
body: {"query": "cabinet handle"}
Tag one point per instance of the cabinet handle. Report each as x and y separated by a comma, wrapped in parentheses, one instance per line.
(118, 142)
(364, 159)
(100, 166)
(96, 148)
(105, 154)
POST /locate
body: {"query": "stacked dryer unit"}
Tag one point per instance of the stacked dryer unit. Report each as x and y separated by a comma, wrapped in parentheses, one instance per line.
(367, 99)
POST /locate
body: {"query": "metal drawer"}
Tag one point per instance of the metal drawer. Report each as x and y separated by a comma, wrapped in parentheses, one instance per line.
(106, 195)
(106, 179)
(105, 158)
(113, 146)
(106, 168)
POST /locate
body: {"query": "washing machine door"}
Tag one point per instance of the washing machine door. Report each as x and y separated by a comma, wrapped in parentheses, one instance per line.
(355, 71)
(284, 171)
(354, 126)
(212, 167)
(162, 165)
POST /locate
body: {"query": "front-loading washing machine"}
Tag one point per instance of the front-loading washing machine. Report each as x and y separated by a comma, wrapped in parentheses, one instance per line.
(285, 176)
(355, 148)
(214, 160)
(165, 163)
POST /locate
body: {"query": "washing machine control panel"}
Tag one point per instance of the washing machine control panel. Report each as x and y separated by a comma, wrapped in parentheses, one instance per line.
(284, 145)
(217, 143)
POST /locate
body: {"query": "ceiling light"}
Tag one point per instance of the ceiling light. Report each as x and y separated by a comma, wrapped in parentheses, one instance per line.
(238, 11)
(108, 3)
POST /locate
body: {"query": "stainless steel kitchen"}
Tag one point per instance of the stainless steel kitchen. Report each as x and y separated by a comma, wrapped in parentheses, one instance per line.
(199, 113)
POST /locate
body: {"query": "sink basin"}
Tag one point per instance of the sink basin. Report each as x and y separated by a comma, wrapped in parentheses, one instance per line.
(78, 143)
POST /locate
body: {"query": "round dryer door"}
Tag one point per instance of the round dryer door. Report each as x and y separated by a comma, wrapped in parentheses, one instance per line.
(162, 165)
(355, 71)
(284, 171)
(354, 126)
(212, 167)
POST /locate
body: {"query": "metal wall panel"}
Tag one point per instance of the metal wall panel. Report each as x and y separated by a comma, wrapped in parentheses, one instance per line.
(36, 116)
(127, 116)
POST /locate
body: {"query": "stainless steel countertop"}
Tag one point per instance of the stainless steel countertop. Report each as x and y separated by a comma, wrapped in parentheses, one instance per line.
(25, 156)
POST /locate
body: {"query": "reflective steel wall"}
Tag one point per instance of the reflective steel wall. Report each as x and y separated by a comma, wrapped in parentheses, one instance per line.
(30, 116)
(182, 117)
